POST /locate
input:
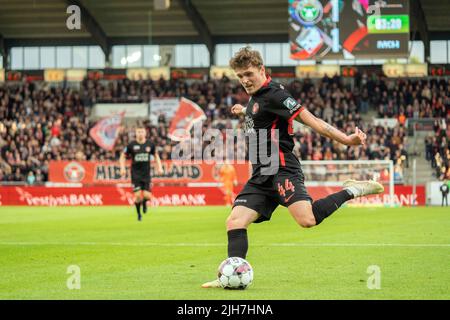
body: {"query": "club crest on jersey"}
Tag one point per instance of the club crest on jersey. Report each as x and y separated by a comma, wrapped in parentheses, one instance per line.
(147, 149)
(255, 108)
(291, 104)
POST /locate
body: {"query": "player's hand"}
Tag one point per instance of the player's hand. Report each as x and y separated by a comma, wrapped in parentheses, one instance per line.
(357, 138)
(159, 171)
(237, 109)
(123, 172)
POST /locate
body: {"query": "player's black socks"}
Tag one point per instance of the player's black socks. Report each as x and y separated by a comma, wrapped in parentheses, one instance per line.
(138, 207)
(324, 207)
(144, 205)
(237, 243)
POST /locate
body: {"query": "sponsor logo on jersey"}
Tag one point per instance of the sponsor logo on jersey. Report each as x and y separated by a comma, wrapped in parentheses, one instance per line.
(249, 125)
(136, 147)
(141, 157)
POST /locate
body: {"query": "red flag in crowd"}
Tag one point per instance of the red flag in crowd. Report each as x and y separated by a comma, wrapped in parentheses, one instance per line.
(106, 131)
(187, 114)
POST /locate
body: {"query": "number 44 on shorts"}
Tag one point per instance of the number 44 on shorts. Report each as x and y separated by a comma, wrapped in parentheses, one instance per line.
(287, 186)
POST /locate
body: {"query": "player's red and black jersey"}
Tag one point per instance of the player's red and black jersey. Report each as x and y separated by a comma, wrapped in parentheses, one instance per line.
(272, 108)
(140, 158)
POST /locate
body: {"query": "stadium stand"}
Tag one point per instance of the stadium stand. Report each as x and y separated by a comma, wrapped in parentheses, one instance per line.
(437, 149)
(44, 123)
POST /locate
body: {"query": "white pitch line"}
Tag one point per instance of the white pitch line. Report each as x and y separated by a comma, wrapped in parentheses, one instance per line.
(182, 244)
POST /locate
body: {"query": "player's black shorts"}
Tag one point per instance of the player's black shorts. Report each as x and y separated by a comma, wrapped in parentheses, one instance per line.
(140, 182)
(284, 189)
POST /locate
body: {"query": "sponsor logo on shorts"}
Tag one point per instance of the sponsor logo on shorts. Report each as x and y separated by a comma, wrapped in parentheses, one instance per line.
(288, 198)
(240, 200)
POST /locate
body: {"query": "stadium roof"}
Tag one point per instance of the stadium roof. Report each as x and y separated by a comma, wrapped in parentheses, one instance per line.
(112, 22)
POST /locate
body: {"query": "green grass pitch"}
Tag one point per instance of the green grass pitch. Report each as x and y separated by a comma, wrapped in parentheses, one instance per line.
(175, 249)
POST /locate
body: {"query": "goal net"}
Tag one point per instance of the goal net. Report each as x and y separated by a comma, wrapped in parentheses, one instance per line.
(328, 176)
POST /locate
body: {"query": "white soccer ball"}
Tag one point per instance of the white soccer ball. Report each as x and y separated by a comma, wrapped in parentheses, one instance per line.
(235, 273)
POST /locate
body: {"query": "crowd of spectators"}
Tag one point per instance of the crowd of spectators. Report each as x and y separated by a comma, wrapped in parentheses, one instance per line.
(42, 123)
(437, 149)
(405, 99)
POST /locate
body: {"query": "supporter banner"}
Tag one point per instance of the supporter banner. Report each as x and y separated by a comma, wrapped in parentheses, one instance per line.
(166, 106)
(75, 75)
(156, 73)
(373, 69)
(165, 196)
(434, 194)
(416, 70)
(218, 73)
(405, 70)
(87, 172)
(54, 75)
(107, 74)
(189, 73)
(385, 122)
(317, 71)
(420, 124)
(137, 74)
(12, 75)
(59, 75)
(106, 131)
(152, 73)
(349, 72)
(187, 114)
(27, 75)
(132, 110)
(281, 72)
(439, 70)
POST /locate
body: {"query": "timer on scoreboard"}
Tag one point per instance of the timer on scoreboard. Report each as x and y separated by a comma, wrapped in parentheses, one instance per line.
(388, 24)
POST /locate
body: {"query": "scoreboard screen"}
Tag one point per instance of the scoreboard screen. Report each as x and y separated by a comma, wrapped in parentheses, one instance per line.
(338, 29)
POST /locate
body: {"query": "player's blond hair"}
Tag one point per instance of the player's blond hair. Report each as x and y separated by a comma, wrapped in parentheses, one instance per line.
(246, 57)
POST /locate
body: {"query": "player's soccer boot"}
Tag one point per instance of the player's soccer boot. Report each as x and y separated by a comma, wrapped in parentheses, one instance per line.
(363, 188)
(139, 218)
(212, 284)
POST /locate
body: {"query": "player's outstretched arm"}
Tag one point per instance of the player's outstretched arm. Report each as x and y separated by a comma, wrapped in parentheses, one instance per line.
(159, 168)
(327, 130)
(122, 163)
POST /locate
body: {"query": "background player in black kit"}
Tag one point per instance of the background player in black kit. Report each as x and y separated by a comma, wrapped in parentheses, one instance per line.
(269, 114)
(139, 151)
